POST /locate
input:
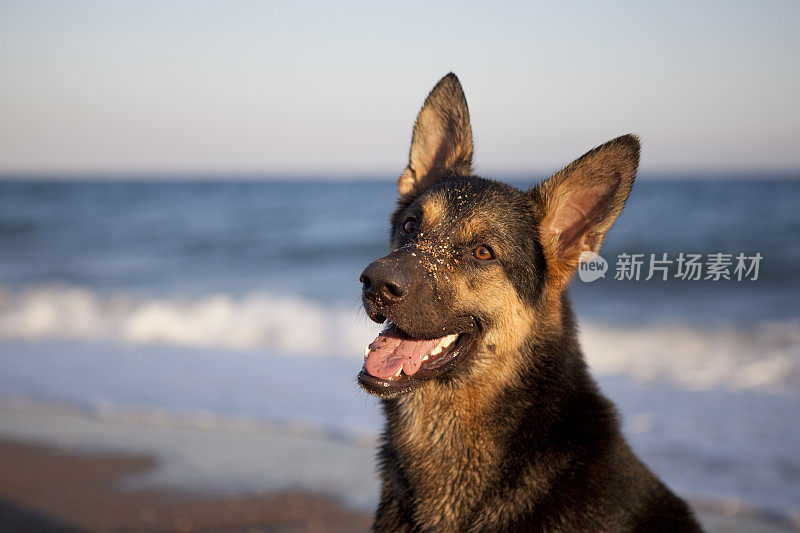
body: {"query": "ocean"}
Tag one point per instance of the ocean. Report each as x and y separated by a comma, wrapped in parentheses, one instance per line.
(231, 301)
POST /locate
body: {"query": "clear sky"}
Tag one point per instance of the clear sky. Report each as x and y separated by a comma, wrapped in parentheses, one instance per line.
(333, 87)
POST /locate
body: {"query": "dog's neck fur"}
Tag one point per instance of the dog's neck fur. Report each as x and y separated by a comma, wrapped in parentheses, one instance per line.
(441, 424)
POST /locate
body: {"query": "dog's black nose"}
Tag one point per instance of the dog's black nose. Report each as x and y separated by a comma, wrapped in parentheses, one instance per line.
(384, 281)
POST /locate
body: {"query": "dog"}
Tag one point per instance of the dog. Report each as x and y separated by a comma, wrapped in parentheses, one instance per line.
(493, 422)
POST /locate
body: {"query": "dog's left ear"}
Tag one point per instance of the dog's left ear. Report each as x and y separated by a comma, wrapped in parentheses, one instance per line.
(580, 203)
(442, 139)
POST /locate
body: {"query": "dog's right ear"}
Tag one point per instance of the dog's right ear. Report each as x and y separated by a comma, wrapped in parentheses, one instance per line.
(442, 139)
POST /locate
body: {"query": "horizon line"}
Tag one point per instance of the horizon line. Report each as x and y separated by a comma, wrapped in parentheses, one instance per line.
(362, 175)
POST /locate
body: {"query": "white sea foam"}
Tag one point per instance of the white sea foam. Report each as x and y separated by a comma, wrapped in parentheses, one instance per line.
(765, 356)
(257, 320)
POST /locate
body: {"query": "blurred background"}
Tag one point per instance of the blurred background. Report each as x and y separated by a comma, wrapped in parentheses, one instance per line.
(189, 191)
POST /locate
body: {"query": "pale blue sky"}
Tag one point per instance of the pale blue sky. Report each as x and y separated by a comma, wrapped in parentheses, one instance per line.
(334, 86)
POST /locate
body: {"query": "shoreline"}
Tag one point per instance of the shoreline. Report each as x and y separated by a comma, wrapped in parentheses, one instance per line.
(66, 469)
(44, 488)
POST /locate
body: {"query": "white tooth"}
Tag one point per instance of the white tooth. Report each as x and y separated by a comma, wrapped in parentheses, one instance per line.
(436, 350)
(399, 371)
(366, 352)
(425, 358)
(447, 341)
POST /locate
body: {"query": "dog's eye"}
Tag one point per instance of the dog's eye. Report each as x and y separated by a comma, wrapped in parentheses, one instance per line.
(484, 253)
(410, 226)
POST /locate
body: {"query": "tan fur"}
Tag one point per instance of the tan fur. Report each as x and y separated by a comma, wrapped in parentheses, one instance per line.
(436, 421)
(473, 227)
(433, 210)
(511, 318)
(437, 418)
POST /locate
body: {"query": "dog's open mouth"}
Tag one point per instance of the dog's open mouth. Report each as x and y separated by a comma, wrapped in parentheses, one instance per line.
(395, 361)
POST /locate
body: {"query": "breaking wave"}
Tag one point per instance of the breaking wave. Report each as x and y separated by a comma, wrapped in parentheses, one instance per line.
(765, 356)
(254, 321)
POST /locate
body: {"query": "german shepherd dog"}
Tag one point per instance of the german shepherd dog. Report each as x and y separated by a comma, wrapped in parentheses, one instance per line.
(493, 422)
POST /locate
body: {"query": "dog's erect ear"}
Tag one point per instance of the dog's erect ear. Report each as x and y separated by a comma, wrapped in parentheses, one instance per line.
(442, 139)
(580, 203)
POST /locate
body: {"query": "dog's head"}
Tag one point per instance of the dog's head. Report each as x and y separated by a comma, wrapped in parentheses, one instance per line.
(477, 267)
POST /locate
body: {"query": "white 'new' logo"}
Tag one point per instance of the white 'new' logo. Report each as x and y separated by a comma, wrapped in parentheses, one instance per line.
(591, 266)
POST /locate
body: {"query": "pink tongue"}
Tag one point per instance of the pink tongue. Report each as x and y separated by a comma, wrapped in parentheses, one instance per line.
(392, 351)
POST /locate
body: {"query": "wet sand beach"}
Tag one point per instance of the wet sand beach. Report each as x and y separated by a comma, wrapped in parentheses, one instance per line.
(49, 490)
(45, 489)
